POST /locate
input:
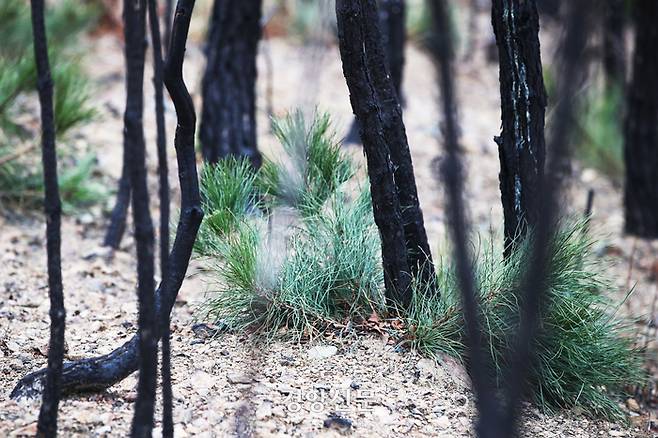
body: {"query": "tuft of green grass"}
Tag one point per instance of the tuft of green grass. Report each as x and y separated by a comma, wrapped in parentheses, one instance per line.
(20, 172)
(328, 271)
(228, 193)
(314, 165)
(585, 355)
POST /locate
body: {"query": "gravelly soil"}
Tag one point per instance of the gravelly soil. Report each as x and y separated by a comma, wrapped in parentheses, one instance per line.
(227, 385)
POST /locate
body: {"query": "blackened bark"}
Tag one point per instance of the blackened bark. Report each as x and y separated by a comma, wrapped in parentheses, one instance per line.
(441, 48)
(98, 373)
(134, 17)
(523, 102)
(535, 281)
(392, 125)
(641, 127)
(394, 37)
(614, 45)
(47, 424)
(119, 214)
(405, 251)
(163, 174)
(228, 115)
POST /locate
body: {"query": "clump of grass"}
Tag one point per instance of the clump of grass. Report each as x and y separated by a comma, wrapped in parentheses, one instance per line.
(584, 355)
(313, 168)
(20, 171)
(320, 266)
(601, 136)
(228, 193)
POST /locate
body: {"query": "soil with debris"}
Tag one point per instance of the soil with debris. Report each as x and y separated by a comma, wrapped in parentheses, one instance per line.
(223, 383)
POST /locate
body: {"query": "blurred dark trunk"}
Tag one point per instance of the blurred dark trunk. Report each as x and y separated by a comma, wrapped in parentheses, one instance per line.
(117, 226)
(47, 424)
(641, 127)
(521, 145)
(228, 115)
(614, 45)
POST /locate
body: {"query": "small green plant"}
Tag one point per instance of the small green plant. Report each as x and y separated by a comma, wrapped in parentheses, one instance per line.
(314, 168)
(20, 172)
(284, 270)
(585, 354)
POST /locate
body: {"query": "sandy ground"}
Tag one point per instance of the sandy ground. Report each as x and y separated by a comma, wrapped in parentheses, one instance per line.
(228, 386)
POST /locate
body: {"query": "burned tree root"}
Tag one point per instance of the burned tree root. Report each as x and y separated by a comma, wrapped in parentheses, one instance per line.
(99, 373)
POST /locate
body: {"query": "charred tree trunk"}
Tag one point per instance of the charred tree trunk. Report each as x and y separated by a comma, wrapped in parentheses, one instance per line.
(47, 424)
(641, 127)
(228, 116)
(614, 46)
(394, 36)
(134, 17)
(163, 174)
(98, 373)
(405, 250)
(521, 145)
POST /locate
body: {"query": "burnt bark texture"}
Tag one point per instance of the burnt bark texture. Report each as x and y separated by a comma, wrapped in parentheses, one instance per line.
(228, 115)
(641, 127)
(521, 144)
(405, 251)
(394, 36)
(47, 424)
(614, 46)
(480, 368)
(570, 72)
(134, 18)
(99, 373)
(163, 176)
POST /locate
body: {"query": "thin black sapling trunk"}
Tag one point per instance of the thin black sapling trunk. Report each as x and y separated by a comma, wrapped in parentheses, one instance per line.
(163, 175)
(134, 18)
(480, 367)
(394, 35)
(521, 144)
(98, 373)
(375, 104)
(641, 127)
(228, 115)
(47, 424)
